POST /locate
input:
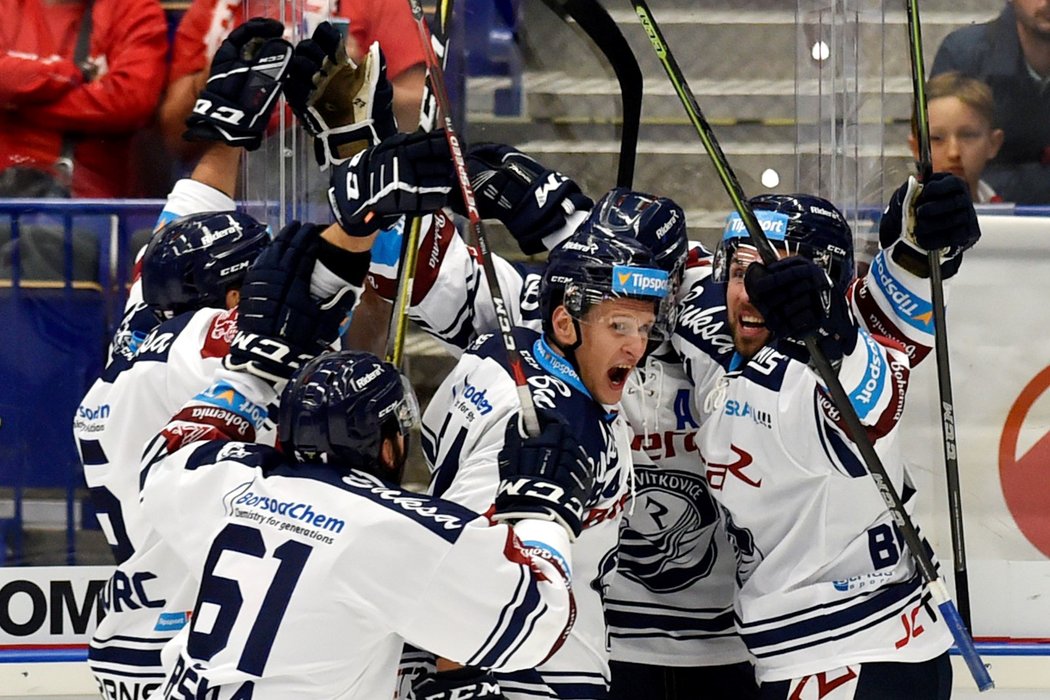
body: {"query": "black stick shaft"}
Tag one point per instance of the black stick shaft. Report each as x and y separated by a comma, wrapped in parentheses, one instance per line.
(820, 362)
(940, 327)
(596, 22)
(437, 81)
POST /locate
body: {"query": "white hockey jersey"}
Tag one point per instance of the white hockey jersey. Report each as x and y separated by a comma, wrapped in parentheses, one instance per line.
(670, 601)
(312, 578)
(463, 430)
(824, 578)
(129, 404)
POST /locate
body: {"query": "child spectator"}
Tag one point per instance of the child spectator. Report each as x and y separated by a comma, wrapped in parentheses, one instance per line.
(963, 137)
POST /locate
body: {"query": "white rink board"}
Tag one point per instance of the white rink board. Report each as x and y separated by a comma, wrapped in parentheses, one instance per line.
(999, 328)
(998, 332)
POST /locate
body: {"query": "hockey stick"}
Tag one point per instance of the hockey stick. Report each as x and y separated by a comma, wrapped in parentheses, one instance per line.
(395, 339)
(856, 429)
(595, 21)
(437, 81)
(940, 329)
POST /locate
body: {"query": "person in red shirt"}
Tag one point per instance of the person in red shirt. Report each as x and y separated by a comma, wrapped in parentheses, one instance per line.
(207, 22)
(46, 99)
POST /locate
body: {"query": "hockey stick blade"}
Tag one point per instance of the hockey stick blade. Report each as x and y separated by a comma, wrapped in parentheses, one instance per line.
(596, 23)
(823, 368)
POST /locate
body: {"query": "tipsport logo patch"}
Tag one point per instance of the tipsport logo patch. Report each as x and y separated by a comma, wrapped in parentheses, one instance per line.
(773, 223)
(912, 309)
(639, 281)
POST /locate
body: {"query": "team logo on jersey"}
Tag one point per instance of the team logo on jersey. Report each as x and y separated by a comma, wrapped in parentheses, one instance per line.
(668, 542)
(718, 473)
(748, 555)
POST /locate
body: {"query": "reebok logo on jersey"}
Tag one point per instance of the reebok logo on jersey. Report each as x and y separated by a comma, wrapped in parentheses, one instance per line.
(639, 281)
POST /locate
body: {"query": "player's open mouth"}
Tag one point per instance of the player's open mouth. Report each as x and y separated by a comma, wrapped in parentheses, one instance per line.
(752, 322)
(618, 374)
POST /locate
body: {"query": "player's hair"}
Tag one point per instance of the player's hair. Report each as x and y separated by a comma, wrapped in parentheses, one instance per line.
(193, 261)
(972, 92)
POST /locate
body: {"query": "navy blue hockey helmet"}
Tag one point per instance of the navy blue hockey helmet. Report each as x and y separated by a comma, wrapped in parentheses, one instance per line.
(797, 223)
(340, 407)
(589, 267)
(658, 223)
(191, 262)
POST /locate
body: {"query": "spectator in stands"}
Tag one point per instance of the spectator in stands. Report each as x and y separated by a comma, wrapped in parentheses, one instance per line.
(207, 22)
(963, 137)
(77, 79)
(1012, 54)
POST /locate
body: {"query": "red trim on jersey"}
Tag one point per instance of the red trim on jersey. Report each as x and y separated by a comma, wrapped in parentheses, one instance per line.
(199, 423)
(431, 254)
(884, 327)
(220, 334)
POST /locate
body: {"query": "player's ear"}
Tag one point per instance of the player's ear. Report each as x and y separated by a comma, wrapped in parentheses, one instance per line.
(563, 326)
(233, 297)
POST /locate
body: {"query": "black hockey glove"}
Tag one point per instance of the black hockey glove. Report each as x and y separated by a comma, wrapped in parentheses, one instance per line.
(236, 103)
(280, 325)
(546, 477)
(944, 219)
(529, 198)
(345, 106)
(797, 299)
(406, 174)
(463, 682)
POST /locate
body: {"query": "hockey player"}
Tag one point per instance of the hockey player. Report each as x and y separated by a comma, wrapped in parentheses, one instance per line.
(601, 300)
(829, 599)
(669, 604)
(190, 273)
(231, 114)
(313, 566)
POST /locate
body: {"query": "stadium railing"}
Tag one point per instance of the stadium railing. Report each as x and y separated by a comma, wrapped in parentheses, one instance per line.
(64, 272)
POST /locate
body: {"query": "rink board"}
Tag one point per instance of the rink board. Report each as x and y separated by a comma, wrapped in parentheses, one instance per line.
(999, 321)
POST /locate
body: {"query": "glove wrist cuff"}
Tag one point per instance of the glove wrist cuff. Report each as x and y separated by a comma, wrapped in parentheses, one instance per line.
(915, 260)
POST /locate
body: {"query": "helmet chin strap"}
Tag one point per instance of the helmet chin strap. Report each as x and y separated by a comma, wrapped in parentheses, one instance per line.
(568, 350)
